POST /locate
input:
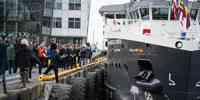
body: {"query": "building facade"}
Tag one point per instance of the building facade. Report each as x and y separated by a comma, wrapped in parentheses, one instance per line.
(21, 15)
(67, 18)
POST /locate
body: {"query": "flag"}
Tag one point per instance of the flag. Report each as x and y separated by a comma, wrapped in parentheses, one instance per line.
(184, 17)
(174, 9)
(147, 31)
(184, 14)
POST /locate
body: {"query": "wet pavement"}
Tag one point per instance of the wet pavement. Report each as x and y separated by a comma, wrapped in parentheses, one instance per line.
(13, 81)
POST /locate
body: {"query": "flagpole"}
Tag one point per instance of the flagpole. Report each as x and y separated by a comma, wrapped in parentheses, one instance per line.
(170, 8)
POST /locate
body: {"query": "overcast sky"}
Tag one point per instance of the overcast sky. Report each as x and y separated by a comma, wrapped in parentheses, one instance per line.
(96, 21)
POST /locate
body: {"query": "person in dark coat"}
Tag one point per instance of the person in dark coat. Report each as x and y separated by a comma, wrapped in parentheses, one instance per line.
(3, 62)
(77, 54)
(55, 61)
(77, 51)
(36, 58)
(35, 61)
(62, 55)
(68, 58)
(3, 57)
(23, 60)
(83, 55)
(11, 57)
(88, 53)
(73, 57)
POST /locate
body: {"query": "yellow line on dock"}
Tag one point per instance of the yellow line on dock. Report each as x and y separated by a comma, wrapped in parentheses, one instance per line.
(70, 71)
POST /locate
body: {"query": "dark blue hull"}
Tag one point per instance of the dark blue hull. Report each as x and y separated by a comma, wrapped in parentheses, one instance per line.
(177, 70)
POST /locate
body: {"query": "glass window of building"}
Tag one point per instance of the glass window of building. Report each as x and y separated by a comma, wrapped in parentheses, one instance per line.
(144, 13)
(10, 26)
(49, 5)
(74, 4)
(193, 14)
(1, 26)
(160, 13)
(2, 10)
(11, 9)
(120, 16)
(46, 21)
(74, 23)
(58, 5)
(36, 11)
(57, 22)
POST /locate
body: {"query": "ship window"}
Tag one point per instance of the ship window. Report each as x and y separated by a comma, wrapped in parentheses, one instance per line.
(199, 17)
(193, 14)
(160, 13)
(111, 16)
(136, 15)
(120, 16)
(130, 15)
(144, 13)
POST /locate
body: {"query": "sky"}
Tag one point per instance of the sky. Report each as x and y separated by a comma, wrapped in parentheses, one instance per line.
(96, 20)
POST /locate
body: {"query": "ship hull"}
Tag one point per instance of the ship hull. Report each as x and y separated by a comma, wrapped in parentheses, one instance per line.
(176, 69)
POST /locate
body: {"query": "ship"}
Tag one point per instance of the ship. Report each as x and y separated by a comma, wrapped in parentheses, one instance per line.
(150, 56)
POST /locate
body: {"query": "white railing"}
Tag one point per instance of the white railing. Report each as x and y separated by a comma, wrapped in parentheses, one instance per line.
(163, 32)
(159, 28)
(119, 25)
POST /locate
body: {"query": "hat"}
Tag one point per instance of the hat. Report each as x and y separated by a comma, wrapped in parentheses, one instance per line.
(53, 46)
(25, 42)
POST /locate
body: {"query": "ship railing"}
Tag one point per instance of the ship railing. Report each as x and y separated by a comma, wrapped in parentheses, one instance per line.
(117, 25)
(120, 22)
(122, 25)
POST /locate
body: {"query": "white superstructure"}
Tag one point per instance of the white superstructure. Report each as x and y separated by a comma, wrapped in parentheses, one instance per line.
(149, 21)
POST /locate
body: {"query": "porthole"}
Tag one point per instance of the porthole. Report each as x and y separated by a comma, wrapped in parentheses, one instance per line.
(179, 44)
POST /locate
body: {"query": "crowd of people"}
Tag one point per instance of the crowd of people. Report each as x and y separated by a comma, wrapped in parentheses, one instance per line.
(25, 54)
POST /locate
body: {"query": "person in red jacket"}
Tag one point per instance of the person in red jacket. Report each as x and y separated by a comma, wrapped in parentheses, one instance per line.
(42, 54)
